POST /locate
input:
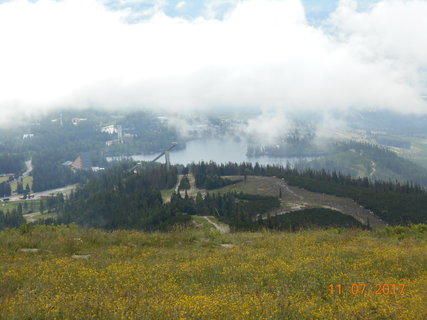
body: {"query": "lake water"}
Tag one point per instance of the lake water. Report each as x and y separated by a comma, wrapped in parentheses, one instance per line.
(217, 150)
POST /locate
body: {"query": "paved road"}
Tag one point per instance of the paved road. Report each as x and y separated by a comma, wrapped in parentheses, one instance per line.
(64, 190)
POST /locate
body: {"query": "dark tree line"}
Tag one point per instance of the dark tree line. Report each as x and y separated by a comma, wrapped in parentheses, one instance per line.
(5, 189)
(208, 175)
(211, 181)
(184, 184)
(11, 219)
(310, 218)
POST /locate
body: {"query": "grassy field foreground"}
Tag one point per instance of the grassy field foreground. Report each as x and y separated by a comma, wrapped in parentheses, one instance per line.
(202, 274)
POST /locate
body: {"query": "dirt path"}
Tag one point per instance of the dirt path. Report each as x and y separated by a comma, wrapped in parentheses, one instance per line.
(31, 217)
(308, 199)
(179, 181)
(374, 168)
(283, 185)
(29, 166)
(220, 228)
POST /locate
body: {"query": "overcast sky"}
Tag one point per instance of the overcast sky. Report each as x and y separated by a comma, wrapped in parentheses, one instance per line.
(273, 54)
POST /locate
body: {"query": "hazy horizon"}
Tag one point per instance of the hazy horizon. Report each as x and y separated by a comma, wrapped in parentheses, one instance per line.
(276, 56)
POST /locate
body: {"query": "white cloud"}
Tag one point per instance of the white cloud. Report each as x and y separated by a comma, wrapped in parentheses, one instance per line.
(180, 5)
(78, 53)
(269, 127)
(389, 30)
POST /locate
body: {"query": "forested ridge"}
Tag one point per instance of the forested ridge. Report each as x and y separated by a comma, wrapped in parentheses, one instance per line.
(211, 181)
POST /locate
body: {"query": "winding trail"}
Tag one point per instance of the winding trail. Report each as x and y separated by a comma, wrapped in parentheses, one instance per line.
(29, 166)
(285, 186)
(374, 168)
(180, 176)
(222, 229)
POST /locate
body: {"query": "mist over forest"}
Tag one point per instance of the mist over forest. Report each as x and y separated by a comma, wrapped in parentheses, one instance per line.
(213, 159)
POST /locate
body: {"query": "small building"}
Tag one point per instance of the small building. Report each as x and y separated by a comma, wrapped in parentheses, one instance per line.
(67, 163)
(82, 162)
(111, 142)
(111, 129)
(27, 136)
(76, 121)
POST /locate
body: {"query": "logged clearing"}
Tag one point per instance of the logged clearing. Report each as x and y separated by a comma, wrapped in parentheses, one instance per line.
(294, 198)
(192, 192)
(195, 273)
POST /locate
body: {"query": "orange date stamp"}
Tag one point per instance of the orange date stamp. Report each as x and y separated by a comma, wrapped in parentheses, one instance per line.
(363, 288)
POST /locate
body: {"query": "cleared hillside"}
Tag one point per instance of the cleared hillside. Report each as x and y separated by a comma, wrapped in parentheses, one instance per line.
(294, 198)
(199, 274)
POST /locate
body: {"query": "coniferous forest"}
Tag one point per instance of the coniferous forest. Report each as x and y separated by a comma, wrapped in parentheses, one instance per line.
(11, 163)
(121, 198)
(124, 197)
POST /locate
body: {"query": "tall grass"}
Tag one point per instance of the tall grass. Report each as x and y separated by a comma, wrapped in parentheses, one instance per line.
(188, 274)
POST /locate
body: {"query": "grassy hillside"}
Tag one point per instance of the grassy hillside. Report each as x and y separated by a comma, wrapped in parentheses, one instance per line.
(196, 273)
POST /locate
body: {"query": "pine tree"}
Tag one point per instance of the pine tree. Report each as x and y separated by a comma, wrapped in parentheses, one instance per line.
(41, 207)
(20, 188)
